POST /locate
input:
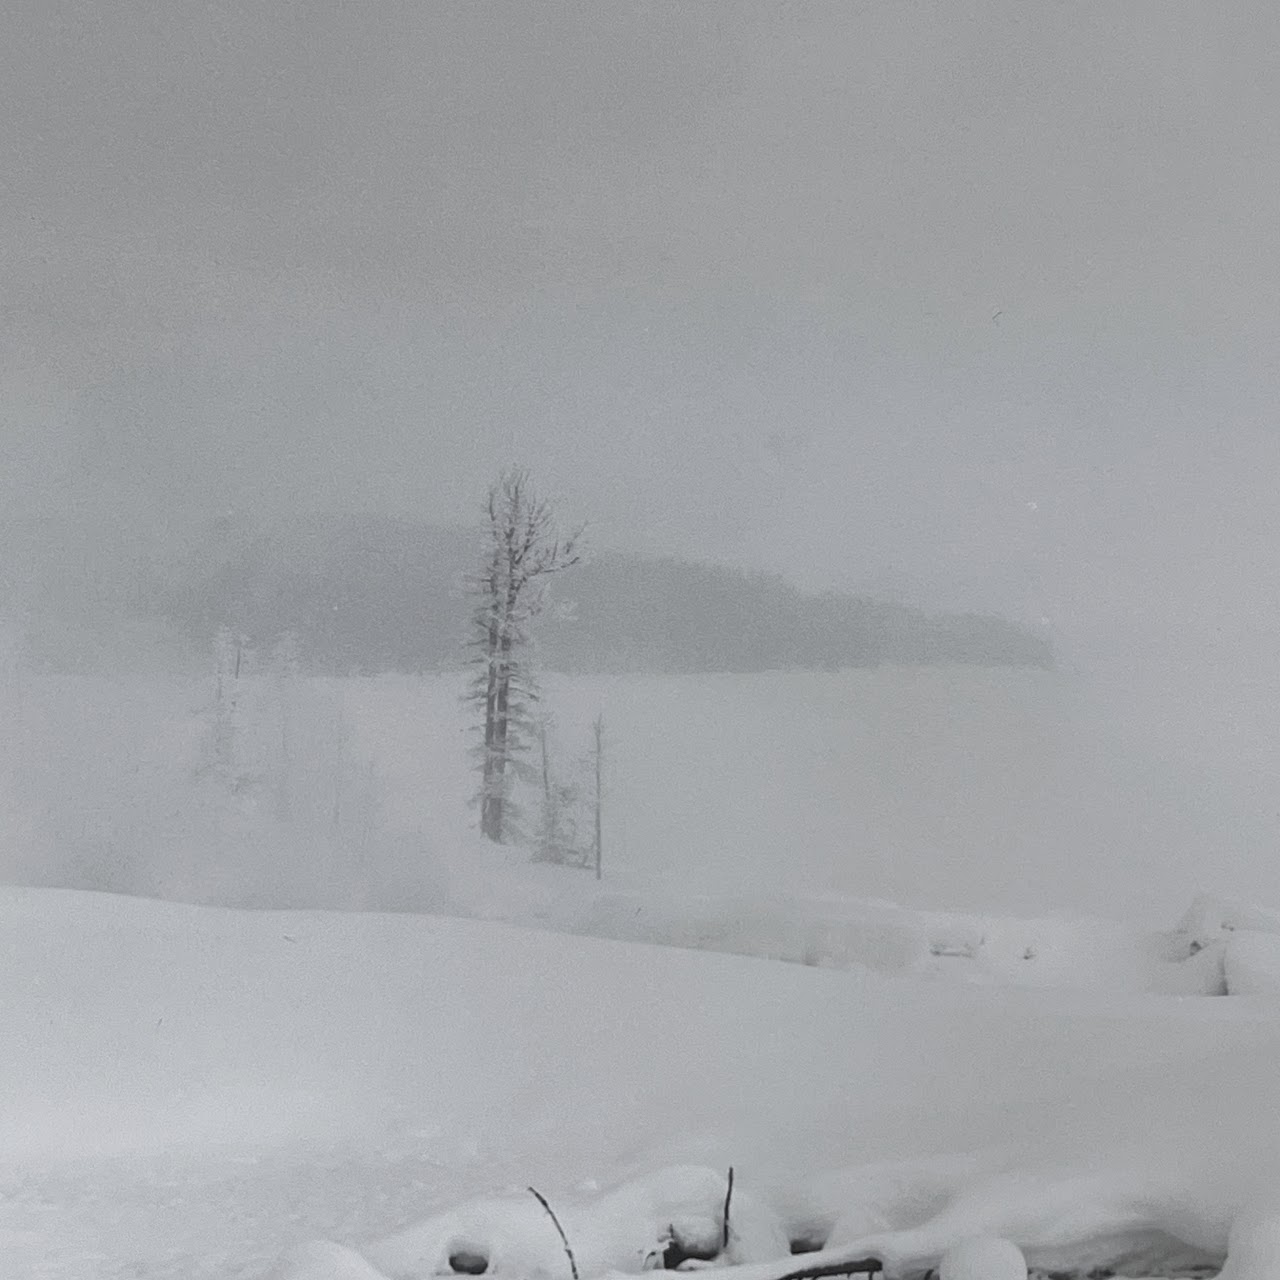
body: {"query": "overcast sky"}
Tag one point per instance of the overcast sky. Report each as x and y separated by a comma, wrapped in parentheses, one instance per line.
(973, 300)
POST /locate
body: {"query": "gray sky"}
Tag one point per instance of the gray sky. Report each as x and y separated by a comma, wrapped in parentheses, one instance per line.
(971, 300)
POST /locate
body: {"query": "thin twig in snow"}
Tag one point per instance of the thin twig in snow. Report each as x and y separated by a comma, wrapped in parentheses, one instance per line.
(564, 1239)
(728, 1198)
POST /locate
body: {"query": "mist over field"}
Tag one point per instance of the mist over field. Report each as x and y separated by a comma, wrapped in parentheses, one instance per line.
(637, 637)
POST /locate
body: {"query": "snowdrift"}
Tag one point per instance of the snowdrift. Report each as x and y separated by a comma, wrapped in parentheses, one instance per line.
(831, 931)
(198, 1090)
(958, 785)
(848, 933)
(991, 786)
(1242, 938)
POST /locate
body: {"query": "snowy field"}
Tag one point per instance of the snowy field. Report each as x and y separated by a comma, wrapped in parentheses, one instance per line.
(190, 1091)
(193, 1090)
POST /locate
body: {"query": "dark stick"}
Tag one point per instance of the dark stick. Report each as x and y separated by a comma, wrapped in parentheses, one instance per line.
(728, 1197)
(859, 1266)
(564, 1239)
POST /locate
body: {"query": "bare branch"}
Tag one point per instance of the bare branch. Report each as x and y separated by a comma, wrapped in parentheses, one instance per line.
(564, 1239)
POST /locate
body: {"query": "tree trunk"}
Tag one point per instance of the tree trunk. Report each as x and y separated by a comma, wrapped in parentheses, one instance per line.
(599, 737)
(490, 815)
(501, 736)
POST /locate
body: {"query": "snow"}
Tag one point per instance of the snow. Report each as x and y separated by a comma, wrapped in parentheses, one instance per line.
(204, 1091)
(324, 1260)
(1254, 1242)
(834, 779)
(983, 1258)
(1251, 964)
(193, 1091)
(627, 1228)
(839, 932)
(984, 792)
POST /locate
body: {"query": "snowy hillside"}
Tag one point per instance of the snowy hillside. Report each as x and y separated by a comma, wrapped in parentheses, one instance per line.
(190, 1091)
(371, 593)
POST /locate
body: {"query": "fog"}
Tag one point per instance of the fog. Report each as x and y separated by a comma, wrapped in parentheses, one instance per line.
(893, 777)
(968, 306)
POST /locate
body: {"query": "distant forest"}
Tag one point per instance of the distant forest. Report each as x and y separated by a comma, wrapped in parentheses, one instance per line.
(366, 595)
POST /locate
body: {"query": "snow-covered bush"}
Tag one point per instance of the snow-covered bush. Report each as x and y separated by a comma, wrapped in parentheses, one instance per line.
(1210, 919)
(1251, 963)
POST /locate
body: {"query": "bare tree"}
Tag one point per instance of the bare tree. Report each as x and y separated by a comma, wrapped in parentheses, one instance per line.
(523, 550)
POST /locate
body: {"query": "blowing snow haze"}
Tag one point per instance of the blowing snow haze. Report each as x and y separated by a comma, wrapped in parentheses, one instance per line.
(873, 845)
(967, 305)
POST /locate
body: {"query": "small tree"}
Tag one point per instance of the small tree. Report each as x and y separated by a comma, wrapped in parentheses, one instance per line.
(522, 551)
(558, 837)
(570, 828)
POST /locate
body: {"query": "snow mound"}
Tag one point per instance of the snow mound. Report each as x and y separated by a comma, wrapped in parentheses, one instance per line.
(835, 932)
(841, 1205)
(983, 1258)
(970, 1219)
(1251, 964)
(648, 1223)
(1253, 1249)
(1210, 918)
(324, 1260)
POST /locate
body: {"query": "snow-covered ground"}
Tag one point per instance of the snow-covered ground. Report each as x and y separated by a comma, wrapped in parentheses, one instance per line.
(758, 815)
(193, 1090)
(189, 1091)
